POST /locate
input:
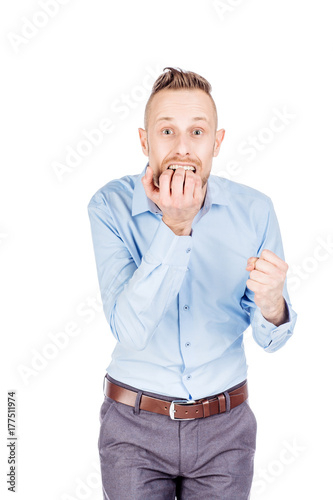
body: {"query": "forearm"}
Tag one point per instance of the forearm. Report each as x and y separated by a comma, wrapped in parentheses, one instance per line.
(143, 302)
(137, 303)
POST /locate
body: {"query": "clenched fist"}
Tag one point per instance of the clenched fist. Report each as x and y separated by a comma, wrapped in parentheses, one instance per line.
(267, 277)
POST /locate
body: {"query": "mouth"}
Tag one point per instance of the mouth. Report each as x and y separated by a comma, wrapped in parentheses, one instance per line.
(185, 167)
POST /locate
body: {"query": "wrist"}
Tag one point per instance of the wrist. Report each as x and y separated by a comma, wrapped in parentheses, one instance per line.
(180, 229)
(277, 316)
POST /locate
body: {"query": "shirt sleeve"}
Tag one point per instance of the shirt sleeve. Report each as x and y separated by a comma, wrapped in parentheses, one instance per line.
(135, 298)
(269, 336)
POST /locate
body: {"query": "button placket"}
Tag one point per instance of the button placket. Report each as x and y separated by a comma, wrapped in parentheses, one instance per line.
(185, 328)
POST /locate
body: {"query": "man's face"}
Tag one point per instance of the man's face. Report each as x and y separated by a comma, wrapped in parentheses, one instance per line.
(181, 131)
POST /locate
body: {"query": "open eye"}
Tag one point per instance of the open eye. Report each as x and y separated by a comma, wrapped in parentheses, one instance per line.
(198, 130)
(166, 131)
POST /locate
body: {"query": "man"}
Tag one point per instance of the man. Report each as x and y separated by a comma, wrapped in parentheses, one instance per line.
(186, 261)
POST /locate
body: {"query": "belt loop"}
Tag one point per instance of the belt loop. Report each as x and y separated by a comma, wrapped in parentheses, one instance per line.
(206, 409)
(136, 410)
(227, 401)
(221, 399)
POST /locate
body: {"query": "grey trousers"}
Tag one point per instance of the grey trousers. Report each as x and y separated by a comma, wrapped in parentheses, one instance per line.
(147, 456)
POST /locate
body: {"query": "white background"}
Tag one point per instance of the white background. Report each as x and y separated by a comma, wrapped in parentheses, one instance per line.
(63, 74)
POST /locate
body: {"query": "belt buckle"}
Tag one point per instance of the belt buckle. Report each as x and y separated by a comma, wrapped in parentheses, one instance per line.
(179, 402)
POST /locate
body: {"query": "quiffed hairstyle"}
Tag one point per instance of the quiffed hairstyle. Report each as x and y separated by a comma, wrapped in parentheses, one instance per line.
(177, 79)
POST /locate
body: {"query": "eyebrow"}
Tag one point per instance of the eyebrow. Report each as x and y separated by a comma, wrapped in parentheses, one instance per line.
(170, 118)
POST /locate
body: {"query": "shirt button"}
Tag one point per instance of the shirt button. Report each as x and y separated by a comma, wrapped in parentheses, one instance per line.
(188, 344)
(186, 307)
(188, 377)
(263, 326)
(188, 250)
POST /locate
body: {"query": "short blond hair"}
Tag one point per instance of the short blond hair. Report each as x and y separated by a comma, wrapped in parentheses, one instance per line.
(177, 79)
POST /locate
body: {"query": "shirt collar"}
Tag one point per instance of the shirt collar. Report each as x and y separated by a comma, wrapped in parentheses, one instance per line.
(216, 194)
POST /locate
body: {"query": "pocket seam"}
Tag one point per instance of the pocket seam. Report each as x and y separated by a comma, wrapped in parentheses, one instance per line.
(250, 411)
(111, 401)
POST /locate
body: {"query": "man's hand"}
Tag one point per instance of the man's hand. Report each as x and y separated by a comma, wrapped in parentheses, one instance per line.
(179, 197)
(267, 277)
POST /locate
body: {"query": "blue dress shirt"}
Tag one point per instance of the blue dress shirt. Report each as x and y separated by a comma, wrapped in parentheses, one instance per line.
(178, 305)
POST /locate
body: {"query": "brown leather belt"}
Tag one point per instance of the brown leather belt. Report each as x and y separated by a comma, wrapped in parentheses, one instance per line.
(178, 409)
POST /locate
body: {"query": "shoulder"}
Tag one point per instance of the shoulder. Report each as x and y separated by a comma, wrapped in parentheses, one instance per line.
(239, 194)
(114, 191)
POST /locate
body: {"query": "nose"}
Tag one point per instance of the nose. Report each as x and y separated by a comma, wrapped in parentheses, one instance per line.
(183, 145)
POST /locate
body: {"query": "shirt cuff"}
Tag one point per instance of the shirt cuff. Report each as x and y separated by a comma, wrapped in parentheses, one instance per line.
(270, 336)
(169, 248)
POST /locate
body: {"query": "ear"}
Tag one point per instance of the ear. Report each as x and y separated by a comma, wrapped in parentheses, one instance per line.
(218, 141)
(143, 140)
